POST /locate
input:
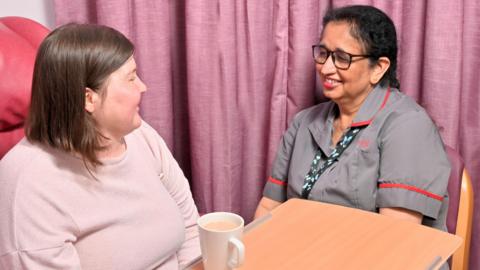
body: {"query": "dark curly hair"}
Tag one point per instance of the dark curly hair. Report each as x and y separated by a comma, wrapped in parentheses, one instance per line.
(375, 31)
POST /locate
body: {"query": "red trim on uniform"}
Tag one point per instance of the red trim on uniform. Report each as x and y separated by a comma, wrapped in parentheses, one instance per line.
(276, 181)
(363, 123)
(412, 188)
(366, 123)
(385, 99)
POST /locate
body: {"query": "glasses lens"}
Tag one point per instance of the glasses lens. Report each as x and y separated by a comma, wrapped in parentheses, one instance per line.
(320, 54)
(342, 59)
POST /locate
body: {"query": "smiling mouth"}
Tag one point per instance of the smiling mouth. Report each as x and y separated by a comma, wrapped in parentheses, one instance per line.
(330, 83)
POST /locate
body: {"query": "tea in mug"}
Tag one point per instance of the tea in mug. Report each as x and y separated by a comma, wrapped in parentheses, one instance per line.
(222, 225)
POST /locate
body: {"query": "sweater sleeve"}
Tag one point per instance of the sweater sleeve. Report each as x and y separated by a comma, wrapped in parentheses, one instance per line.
(36, 232)
(177, 185)
(62, 257)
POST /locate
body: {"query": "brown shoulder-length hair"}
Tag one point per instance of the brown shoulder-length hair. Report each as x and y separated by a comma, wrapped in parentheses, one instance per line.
(70, 59)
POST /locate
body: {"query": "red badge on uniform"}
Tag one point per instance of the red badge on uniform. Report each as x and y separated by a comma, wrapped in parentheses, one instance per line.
(363, 144)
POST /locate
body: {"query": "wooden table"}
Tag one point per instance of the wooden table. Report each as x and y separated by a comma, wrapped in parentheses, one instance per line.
(305, 235)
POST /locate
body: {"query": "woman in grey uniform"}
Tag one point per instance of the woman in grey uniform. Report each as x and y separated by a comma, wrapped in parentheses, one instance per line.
(370, 147)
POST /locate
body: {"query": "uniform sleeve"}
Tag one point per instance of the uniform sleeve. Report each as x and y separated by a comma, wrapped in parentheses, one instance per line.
(276, 186)
(177, 185)
(414, 168)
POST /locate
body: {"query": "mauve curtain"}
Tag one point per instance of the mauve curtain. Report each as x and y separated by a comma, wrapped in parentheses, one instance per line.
(226, 76)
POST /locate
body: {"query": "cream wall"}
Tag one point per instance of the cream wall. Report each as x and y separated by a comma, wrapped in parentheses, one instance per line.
(41, 11)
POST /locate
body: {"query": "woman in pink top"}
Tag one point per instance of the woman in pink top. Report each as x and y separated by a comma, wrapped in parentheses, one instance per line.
(92, 186)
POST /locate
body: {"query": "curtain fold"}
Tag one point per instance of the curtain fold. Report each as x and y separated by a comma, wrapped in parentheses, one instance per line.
(225, 78)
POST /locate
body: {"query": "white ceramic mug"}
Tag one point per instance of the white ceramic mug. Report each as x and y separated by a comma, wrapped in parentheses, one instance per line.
(220, 240)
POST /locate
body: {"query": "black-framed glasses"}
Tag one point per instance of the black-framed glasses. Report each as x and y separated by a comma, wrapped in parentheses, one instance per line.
(341, 59)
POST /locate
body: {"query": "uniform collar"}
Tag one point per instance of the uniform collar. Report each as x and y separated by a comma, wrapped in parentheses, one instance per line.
(322, 130)
(374, 102)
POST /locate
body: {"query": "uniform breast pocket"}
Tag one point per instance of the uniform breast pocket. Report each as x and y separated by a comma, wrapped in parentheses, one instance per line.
(368, 155)
(367, 174)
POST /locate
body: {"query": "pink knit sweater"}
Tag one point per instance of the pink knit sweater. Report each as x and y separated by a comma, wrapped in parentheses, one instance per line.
(138, 214)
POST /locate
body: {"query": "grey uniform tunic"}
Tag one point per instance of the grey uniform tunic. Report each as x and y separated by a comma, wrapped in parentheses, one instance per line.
(396, 160)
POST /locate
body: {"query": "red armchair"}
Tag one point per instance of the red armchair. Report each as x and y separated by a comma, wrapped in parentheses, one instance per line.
(19, 40)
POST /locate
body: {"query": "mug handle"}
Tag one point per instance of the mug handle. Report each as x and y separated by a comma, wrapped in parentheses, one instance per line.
(237, 260)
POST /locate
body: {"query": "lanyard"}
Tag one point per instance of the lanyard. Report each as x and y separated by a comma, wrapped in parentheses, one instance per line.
(314, 173)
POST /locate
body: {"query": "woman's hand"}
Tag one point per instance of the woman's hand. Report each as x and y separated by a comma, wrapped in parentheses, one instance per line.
(264, 206)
